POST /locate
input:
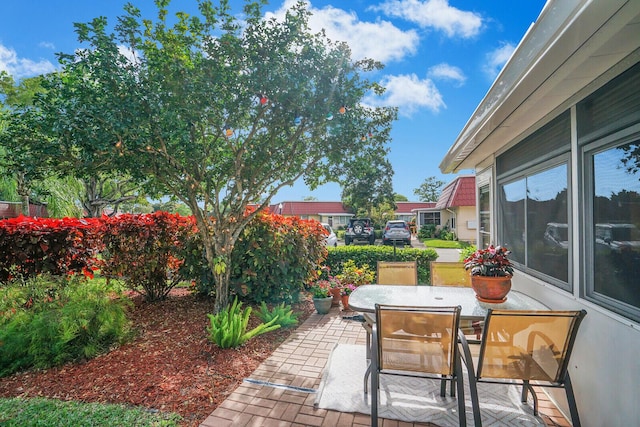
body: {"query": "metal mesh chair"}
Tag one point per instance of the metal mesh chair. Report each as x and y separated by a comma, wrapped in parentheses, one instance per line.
(454, 274)
(397, 273)
(527, 348)
(388, 273)
(449, 274)
(418, 342)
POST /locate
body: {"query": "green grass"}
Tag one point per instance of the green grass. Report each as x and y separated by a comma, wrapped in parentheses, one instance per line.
(53, 413)
(444, 244)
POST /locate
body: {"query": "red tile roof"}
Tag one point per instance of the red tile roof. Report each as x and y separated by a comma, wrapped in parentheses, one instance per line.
(407, 207)
(310, 208)
(459, 192)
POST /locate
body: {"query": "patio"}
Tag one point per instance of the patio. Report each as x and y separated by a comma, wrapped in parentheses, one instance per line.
(282, 391)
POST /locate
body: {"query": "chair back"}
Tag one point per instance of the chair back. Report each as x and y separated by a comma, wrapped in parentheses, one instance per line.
(417, 339)
(528, 345)
(397, 273)
(449, 274)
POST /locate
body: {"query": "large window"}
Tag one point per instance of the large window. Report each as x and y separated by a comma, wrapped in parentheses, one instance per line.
(614, 226)
(534, 222)
(533, 200)
(608, 128)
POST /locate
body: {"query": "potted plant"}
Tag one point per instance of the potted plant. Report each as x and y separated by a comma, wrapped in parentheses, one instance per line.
(321, 293)
(344, 293)
(491, 273)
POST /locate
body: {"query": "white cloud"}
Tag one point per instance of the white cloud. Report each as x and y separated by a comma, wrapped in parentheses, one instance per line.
(47, 45)
(379, 40)
(496, 60)
(437, 14)
(409, 93)
(22, 67)
(447, 72)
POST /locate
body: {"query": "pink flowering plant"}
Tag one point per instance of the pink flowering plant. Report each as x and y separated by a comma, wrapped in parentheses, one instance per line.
(347, 289)
(492, 262)
(320, 288)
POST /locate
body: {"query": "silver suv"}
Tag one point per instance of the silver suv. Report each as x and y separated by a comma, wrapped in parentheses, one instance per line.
(360, 229)
(396, 231)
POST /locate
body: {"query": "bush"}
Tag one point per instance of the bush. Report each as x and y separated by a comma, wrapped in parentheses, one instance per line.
(370, 255)
(271, 261)
(80, 322)
(146, 251)
(33, 246)
(228, 328)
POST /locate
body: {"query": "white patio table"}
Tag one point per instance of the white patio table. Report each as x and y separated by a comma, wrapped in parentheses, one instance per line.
(365, 297)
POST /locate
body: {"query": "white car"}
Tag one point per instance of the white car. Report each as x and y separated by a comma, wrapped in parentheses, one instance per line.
(331, 239)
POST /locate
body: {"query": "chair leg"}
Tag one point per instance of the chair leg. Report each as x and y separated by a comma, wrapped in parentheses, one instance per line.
(367, 373)
(462, 413)
(375, 379)
(473, 388)
(571, 400)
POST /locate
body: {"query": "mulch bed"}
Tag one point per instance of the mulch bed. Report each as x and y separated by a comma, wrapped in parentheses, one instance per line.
(170, 366)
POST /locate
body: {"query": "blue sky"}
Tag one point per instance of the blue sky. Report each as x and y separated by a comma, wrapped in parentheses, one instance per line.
(440, 57)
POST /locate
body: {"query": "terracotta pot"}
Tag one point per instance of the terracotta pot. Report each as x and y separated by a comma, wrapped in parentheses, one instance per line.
(491, 289)
(335, 293)
(345, 302)
(322, 305)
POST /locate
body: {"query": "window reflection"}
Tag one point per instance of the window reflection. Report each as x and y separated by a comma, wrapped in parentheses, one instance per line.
(616, 222)
(534, 221)
(547, 228)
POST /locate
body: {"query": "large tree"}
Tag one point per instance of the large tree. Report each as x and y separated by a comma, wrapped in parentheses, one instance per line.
(368, 183)
(219, 113)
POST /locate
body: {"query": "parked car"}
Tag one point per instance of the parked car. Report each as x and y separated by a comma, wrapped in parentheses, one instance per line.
(331, 239)
(557, 235)
(618, 238)
(360, 229)
(396, 231)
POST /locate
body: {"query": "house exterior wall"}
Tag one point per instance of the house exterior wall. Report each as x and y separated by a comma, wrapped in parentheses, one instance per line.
(574, 50)
(465, 224)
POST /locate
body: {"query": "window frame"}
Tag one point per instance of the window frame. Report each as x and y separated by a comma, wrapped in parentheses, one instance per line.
(587, 151)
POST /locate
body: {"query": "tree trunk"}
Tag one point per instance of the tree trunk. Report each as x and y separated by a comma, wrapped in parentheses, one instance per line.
(23, 191)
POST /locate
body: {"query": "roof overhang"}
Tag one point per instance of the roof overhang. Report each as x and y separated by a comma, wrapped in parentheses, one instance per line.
(564, 52)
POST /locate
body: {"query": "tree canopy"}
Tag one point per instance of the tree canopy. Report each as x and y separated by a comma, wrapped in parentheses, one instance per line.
(217, 112)
(429, 190)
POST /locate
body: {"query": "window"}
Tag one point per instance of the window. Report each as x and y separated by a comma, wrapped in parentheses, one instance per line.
(613, 227)
(430, 218)
(608, 128)
(534, 203)
(484, 208)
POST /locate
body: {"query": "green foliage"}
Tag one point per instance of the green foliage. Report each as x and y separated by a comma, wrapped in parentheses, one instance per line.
(356, 275)
(370, 255)
(271, 261)
(427, 231)
(429, 190)
(81, 321)
(283, 314)
(467, 251)
(228, 327)
(207, 112)
(21, 412)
